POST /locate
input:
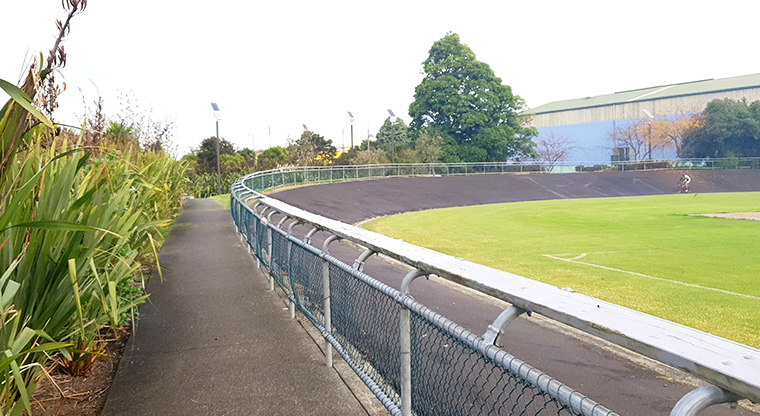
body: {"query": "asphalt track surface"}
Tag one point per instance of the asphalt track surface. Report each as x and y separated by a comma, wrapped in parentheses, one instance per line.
(629, 387)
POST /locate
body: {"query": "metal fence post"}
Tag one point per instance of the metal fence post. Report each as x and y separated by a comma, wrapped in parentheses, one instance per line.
(406, 361)
(702, 398)
(255, 245)
(269, 249)
(405, 326)
(269, 253)
(500, 323)
(326, 300)
(291, 304)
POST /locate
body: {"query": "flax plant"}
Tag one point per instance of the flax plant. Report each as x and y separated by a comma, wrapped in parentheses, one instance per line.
(205, 185)
(76, 231)
(77, 226)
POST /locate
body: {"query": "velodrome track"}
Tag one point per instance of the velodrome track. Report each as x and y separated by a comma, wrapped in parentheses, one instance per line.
(625, 386)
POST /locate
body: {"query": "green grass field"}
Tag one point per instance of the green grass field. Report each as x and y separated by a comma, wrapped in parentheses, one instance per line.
(645, 253)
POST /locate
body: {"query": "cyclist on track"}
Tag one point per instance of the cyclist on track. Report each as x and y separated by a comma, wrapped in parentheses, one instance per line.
(684, 182)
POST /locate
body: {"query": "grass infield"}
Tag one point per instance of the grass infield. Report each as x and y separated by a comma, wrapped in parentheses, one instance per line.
(646, 253)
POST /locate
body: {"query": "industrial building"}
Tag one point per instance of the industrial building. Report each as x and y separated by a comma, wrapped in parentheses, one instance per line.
(586, 123)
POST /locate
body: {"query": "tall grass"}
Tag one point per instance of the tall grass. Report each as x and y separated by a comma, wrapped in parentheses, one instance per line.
(77, 225)
(205, 185)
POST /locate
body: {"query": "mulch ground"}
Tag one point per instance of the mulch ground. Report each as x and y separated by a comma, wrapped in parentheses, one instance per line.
(66, 395)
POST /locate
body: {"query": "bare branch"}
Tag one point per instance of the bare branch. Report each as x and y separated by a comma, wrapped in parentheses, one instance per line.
(553, 148)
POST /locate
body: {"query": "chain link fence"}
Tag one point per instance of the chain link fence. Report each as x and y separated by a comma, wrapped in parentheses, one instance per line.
(447, 370)
(418, 362)
(296, 175)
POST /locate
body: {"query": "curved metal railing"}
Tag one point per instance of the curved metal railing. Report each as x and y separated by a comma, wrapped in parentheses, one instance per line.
(299, 175)
(732, 369)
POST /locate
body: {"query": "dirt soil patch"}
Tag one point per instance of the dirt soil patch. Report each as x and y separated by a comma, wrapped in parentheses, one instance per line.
(735, 215)
(79, 395)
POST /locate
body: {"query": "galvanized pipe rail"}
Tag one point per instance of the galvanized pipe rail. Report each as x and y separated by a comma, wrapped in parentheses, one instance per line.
(733, 368)
(297, 175)
(529, 380)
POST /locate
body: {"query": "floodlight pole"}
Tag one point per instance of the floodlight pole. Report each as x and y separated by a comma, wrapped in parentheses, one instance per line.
(218, 162)
(393, 136)
(651, 117)
(352, 130)
(218, 115)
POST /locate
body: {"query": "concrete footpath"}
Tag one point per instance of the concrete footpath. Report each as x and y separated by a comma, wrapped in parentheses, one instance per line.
(212, 340)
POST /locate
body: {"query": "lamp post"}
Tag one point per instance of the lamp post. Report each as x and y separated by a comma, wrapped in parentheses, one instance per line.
(352, 131)
(393, 136)
(218, 116)
(651, 117)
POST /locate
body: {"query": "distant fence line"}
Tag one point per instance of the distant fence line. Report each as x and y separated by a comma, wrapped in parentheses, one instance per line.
(296, 175)
(419, 362)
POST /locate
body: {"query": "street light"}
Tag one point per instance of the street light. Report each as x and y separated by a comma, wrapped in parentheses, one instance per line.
(393, 136)
(218, 116)
(352, 130)
(651, 117)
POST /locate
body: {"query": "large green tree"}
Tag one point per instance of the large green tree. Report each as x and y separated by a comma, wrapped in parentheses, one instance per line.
(728, 128)
(460, 97)
(312, 149)
(272, 158)
(392, 132)
(206, 153)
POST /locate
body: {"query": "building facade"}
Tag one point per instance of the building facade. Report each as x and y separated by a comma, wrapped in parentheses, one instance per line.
(587, 123)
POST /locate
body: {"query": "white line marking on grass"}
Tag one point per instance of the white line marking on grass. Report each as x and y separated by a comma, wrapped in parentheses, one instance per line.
(727, 292)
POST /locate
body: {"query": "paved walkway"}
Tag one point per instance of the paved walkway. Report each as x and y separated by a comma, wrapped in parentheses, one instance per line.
(213, 341)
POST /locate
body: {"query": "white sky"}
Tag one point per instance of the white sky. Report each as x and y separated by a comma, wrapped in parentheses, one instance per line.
(281, 64)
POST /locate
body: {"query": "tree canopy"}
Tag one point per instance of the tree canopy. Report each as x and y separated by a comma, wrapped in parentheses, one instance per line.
(311, 149)
(272, 157)
(461, 97)
(392, 132)
(728, 128)
(206, 153)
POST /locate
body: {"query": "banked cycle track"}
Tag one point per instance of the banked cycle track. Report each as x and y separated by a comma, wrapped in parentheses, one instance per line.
(620, 381)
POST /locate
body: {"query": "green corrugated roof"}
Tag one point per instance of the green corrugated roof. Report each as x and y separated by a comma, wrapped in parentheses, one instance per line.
(652, 93)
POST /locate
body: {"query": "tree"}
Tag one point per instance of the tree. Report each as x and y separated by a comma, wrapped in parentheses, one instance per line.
(311, 149)
(232, 163)
(675, 129)
(250, 158)
(729, 128)
(206, 153)
(552, 149)
(273, 157)
(393, 138)
(638, 135)
(393, 133)
(370, 157)
(462, 98)
(428, 148)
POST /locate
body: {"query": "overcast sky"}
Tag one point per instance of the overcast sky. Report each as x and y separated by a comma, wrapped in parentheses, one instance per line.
(282, 64)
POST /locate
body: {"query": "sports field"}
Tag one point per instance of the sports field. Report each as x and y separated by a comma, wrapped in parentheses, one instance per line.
(646, 253)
